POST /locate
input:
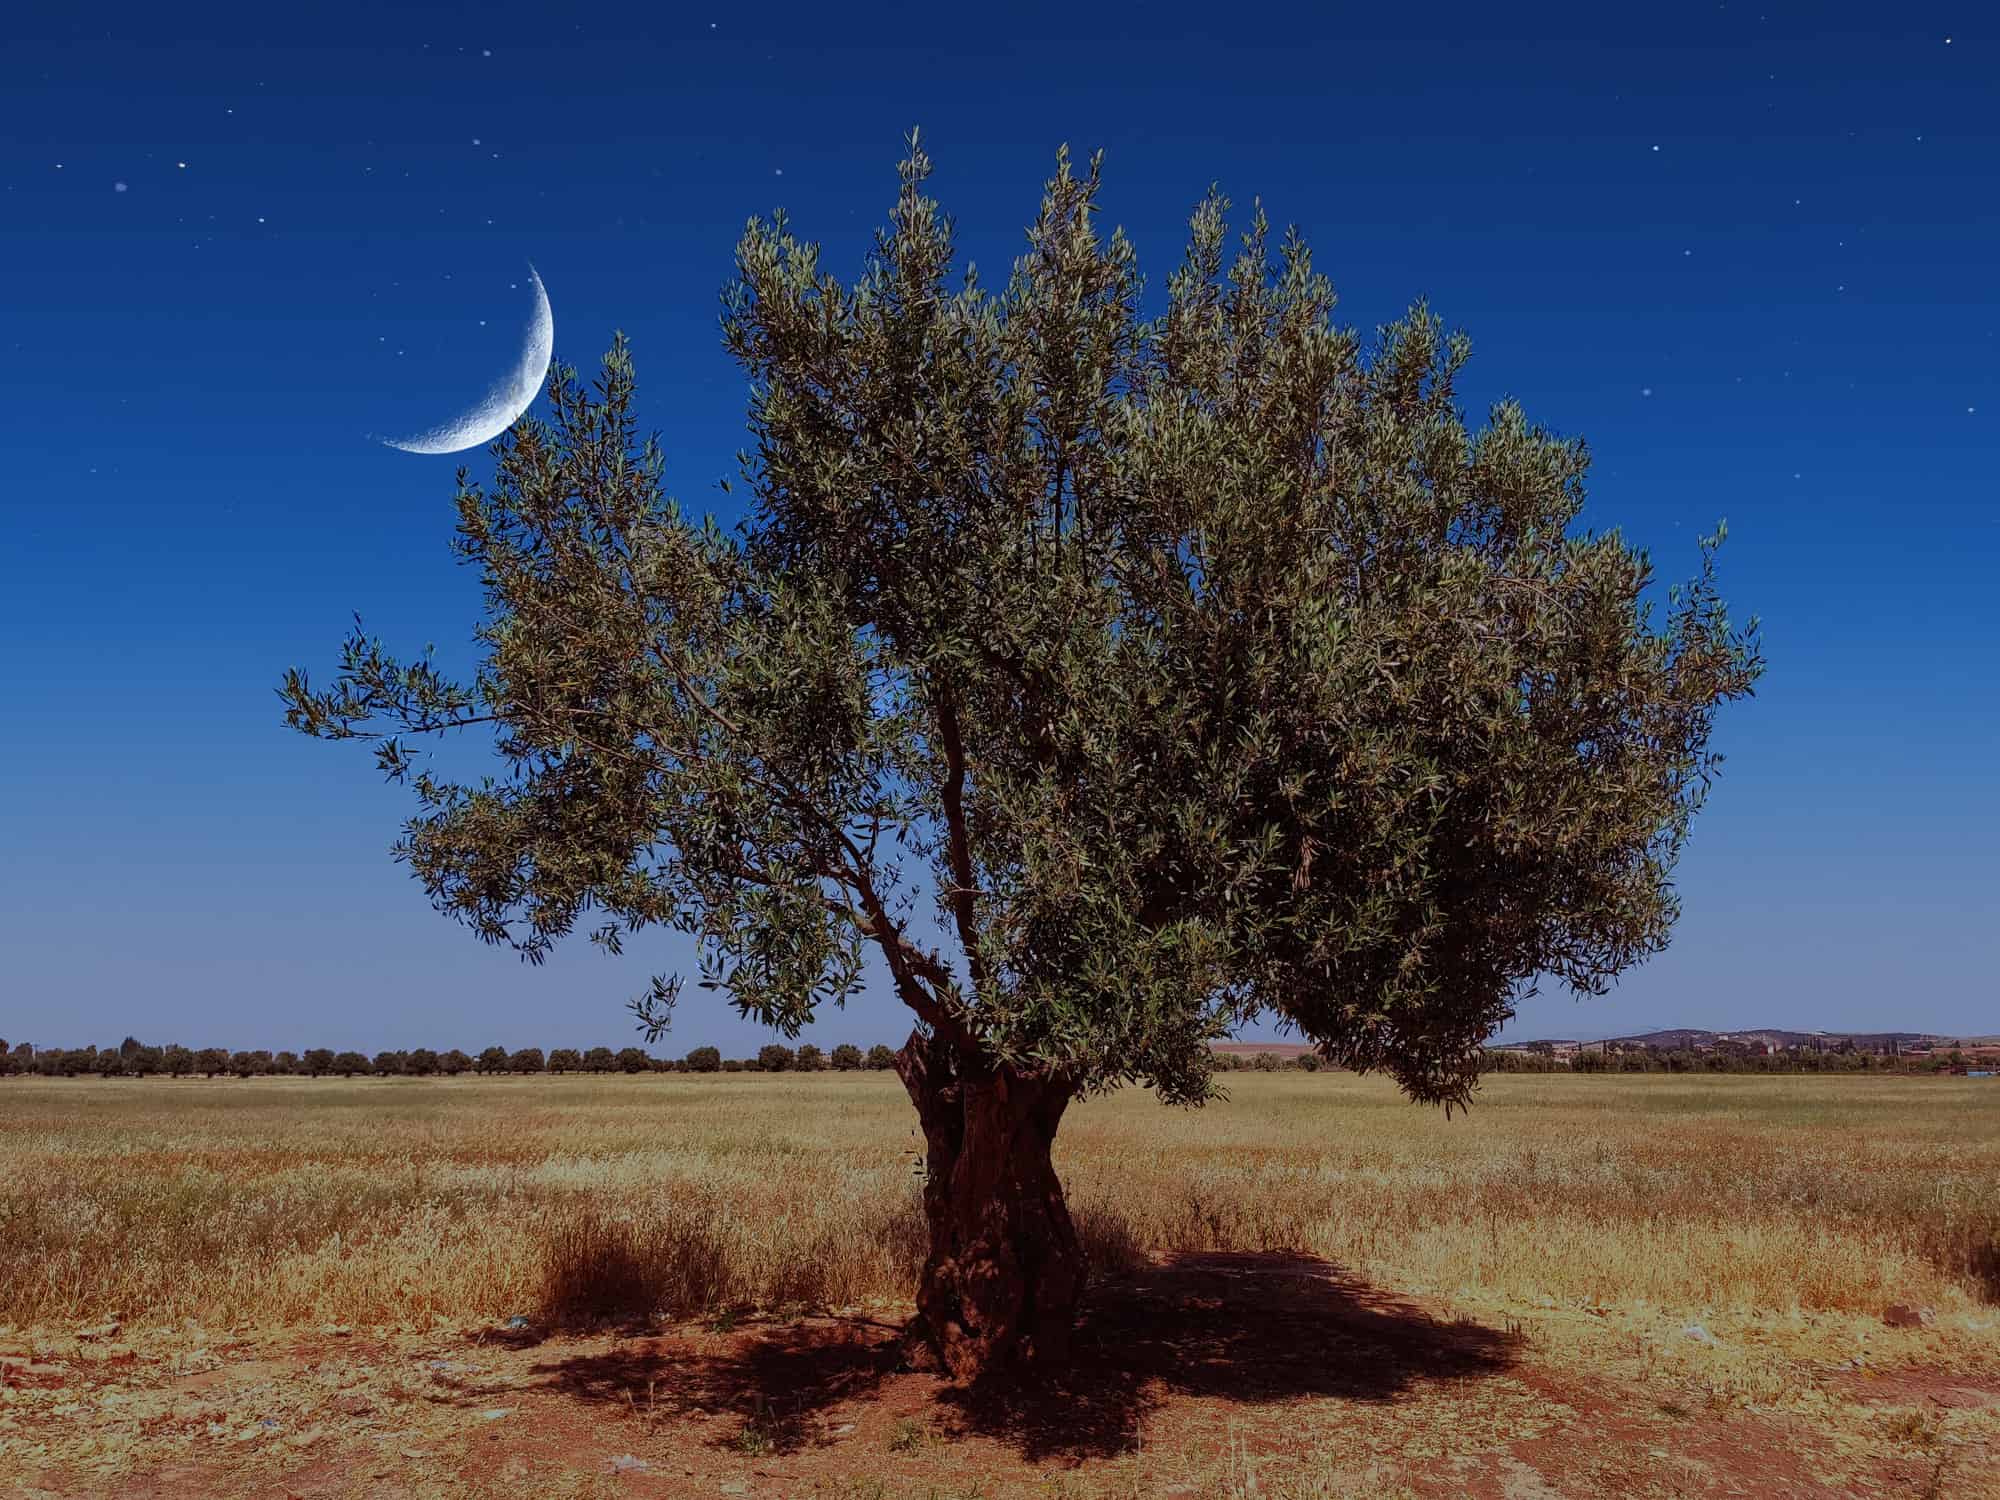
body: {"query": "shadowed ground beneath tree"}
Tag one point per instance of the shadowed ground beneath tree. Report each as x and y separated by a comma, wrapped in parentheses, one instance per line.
(1256, 1329)
(1201, 1376)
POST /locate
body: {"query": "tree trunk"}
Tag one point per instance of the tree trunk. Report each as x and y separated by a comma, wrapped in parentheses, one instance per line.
(1006, 1269)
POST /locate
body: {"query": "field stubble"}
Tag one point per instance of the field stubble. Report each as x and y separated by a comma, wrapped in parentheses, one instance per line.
(418, 1203)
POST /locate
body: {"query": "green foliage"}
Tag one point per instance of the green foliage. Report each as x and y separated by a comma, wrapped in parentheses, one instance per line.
(774, 1057)
(599, 1060)
(493, 1060)
(347, 1064)
(527, 1060)
(1190, 670)
(845, 1058)
(881, 1058)
(1267, 1062)
(565, 1060)
(810, 1059)
(704, 1060)
(633, 1060)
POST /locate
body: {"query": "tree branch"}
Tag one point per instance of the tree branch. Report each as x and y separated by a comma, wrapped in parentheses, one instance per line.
(959, 892)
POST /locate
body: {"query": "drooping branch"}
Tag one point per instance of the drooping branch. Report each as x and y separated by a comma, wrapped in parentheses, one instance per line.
(376, 687)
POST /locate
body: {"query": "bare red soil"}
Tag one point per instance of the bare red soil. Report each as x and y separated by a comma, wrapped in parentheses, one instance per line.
(1213, 1375)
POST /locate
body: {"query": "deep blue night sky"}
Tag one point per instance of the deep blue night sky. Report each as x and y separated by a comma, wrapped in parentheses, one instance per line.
(1747, 250)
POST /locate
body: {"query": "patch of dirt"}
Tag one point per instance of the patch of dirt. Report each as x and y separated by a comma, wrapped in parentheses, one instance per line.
(1917, 1386)
(1194, 1376)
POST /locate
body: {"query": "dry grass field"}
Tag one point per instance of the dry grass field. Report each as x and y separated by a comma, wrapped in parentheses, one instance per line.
(1707, 1258)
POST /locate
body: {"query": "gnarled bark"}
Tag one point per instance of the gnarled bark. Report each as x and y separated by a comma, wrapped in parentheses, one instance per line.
(1006, 1270)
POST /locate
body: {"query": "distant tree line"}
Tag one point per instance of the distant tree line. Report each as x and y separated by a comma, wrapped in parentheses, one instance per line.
(1268, 1062)
(1722, 1059)
(133, 1058)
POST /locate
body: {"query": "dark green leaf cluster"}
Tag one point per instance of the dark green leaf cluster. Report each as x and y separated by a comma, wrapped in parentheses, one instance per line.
(1116, 680)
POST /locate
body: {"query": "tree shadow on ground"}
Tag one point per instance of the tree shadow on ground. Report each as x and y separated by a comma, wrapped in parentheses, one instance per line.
(780, 1378)
(1254, 1329)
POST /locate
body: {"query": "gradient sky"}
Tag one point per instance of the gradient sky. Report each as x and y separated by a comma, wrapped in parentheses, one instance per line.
(1747, 250)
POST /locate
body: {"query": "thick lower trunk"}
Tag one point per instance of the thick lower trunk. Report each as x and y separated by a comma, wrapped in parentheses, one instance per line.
(1006, 1269)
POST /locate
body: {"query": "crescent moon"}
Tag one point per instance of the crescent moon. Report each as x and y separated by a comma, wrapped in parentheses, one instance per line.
(512, 395)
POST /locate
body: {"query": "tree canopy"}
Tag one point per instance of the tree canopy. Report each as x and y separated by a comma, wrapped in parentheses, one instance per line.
(1114, 679)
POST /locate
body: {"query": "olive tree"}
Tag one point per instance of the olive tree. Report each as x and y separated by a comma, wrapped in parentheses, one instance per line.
(1114, 680)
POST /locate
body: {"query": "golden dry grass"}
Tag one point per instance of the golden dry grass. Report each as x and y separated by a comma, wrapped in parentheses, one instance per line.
(410, 1203)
